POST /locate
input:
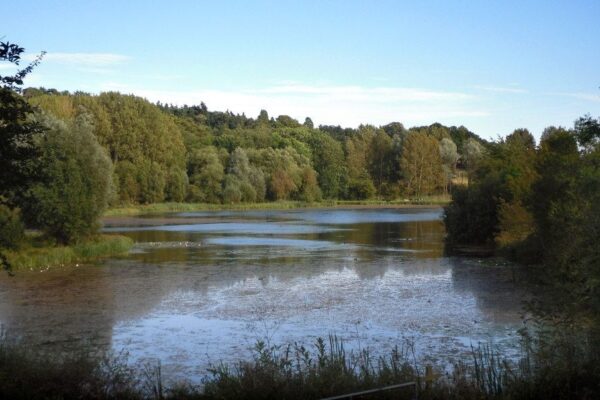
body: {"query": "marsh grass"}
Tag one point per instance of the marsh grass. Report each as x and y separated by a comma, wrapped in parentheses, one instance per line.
(560, 367)
(38, 254)
(294, 371)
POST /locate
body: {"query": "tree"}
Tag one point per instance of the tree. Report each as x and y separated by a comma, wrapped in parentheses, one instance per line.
(77, 180)
(16, 131)
(421, 164)
(360, 183)
(16, 147)
(381, 159)
(263, 117)
(472, 152)
(206, 175)
(308, 123)
(449, 156)
(587, 131)
(448, 152)
(328, 161)
(243, 177)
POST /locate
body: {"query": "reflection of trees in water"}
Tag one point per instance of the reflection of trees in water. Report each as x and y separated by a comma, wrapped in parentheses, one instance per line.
(491, 283)
(71, 306)
(59, 310)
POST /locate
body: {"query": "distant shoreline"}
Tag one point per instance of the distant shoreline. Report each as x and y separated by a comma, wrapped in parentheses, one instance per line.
(158, 208)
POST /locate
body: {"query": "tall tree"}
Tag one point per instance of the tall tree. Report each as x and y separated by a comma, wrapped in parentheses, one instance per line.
(16, 131)
(421, 164)
(77, 183)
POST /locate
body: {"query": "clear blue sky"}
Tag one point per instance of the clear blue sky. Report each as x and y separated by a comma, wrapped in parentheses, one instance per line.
(489, 65)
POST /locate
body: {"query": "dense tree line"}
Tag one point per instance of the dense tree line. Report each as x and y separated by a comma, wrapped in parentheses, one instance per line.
(170, 153)
(66, 157)
(539, 203)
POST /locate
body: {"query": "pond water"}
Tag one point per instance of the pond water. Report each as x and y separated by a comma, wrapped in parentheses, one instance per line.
(203, 287)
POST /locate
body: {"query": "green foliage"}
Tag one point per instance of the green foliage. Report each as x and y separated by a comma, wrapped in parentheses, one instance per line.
(472, 152)
(244, 180)
(206, 175)
(328, 161)
(471, 217)
(152, 181)
(12, 229)
(500, 189)
(145, 144)
(153, 146)
(360, 188)
(16, 129)
(381, 159)
(42, 256)
(540, 204)
(77, 181)
(421, 164)
(588, 132)
(177, 185)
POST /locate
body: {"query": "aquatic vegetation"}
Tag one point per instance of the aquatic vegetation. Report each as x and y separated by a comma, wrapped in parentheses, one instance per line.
(40, 258)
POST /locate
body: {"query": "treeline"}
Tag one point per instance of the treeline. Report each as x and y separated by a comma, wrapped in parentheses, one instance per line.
(539, 204)
(169, 153)
(66, 157)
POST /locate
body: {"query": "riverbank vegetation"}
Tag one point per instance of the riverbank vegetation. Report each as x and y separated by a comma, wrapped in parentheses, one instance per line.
(55, 178)
(190, 154)
(67, 157)
(295, 371)
(157, 208)
(538, 204)
(37, 254)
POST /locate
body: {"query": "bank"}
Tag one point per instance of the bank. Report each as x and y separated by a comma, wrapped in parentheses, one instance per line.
(156, 208)
(36, 255)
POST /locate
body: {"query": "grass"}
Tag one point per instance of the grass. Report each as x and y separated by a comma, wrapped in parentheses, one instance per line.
(563, 368)
(158, 208)
(38, 255)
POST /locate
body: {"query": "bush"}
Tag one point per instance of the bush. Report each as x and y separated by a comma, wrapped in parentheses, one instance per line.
(12, 229)
(361, 189)
(77, 181)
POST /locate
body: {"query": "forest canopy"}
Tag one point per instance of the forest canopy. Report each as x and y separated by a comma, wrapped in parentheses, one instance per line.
(164, 152)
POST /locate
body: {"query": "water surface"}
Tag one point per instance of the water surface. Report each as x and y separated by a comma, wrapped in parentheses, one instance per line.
(195, 293)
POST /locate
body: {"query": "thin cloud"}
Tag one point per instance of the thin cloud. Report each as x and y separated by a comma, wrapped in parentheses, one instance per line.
(501, 89)
(345, 105)
(579, 95)
(359, 93)
(84, 59)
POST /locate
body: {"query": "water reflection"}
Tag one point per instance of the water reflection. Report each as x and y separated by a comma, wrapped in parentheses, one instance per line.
(187, 294)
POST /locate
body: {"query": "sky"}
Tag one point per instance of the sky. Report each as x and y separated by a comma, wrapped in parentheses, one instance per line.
(491, 66)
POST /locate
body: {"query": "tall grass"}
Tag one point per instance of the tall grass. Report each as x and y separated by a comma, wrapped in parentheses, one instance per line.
(41, 256)
(563, 368)
(294, 371)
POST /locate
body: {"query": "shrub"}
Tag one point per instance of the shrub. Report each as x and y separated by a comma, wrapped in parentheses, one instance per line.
(77, 181)
(12, 229)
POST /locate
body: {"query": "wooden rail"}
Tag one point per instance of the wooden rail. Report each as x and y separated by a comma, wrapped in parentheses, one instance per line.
(371, 391)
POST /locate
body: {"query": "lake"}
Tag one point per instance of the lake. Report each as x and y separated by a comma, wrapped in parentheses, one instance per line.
(202, 287)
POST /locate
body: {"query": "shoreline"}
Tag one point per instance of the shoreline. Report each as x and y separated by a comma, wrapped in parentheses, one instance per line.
(42, 258)
(158, 208)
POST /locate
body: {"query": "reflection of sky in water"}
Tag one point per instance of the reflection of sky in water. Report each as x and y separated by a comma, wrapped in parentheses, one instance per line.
(273, 241)
(336, 216)
(379, 313)
(190, 294)
(259, 228)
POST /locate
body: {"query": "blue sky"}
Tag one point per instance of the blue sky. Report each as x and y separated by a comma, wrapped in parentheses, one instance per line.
(492, 66)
